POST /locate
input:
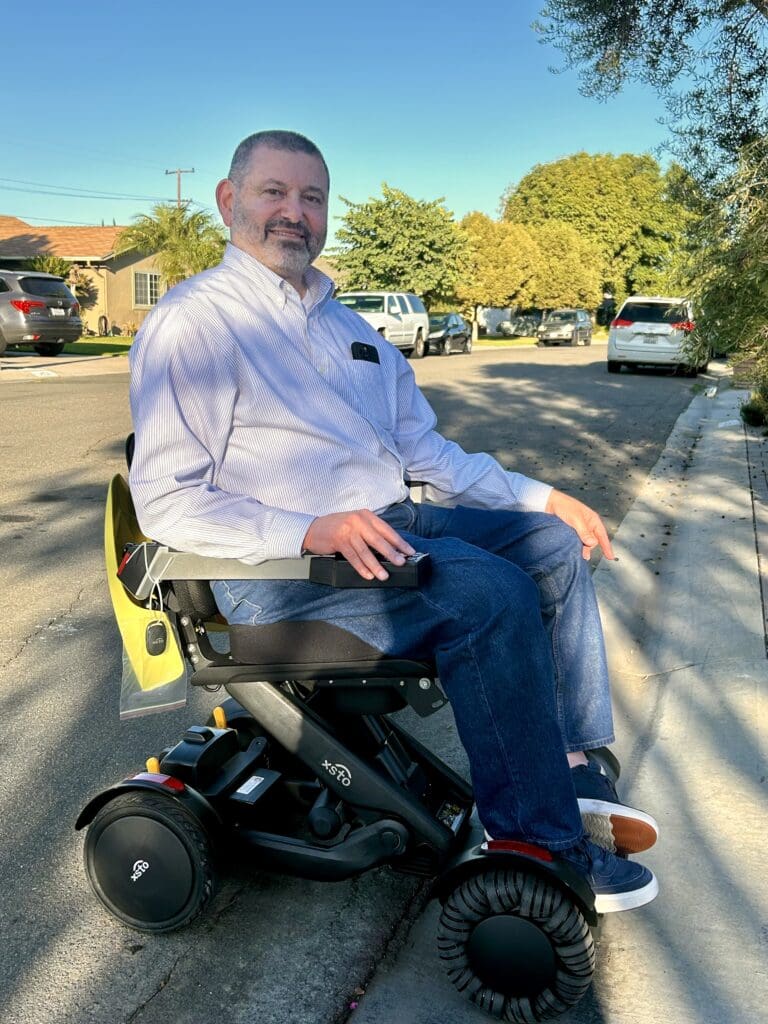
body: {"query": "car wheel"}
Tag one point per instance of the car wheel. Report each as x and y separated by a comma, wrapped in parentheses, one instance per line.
(468, 344)
(574, 338)
(419, 349)
(588, 339)
(3, 344)
(613, 366)
(49, 349)
(447, 347)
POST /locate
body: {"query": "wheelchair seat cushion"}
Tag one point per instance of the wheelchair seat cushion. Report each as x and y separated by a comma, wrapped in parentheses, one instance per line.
(310, 643)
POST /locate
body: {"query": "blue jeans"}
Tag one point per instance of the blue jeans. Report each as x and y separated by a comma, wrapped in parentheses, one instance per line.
(510, 617)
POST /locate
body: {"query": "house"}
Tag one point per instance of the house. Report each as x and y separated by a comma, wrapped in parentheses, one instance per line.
(125, 287)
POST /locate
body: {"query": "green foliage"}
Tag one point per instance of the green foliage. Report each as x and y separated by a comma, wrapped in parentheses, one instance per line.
(501, 263)
(401, 244)
(568, 267)
(50, 265)
(727, 273)
(708, 60)
(184, 242)
(627, 212)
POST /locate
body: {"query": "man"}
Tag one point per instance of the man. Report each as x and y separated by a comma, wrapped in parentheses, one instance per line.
(271, 420)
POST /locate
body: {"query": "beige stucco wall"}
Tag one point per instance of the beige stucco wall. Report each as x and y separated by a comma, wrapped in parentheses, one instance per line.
(115, 293)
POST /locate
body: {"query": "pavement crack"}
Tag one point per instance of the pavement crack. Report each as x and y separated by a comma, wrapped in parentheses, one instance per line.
(160, 986)
(27, 640)
(388, 950)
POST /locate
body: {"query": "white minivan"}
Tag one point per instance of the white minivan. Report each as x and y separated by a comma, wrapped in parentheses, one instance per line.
(650, 330)
(400, 317)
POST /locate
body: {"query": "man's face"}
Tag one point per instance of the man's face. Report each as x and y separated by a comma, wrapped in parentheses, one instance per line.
(279, 211)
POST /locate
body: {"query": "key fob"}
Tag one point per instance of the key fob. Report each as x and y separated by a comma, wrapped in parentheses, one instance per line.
(156, 637)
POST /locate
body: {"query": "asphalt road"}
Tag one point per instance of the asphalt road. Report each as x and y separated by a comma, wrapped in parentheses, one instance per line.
(272, 949)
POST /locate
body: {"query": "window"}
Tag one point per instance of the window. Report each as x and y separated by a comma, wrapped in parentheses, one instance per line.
(392, 306)
(50, 287)
(363, 303)
(403, 304)
(416, 304)
(146, 289)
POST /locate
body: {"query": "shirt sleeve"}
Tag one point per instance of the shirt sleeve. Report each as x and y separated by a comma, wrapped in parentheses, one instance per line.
(453, 476)
(184, 386)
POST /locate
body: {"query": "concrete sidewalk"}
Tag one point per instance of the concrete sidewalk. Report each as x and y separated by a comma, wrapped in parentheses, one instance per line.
(684, 617)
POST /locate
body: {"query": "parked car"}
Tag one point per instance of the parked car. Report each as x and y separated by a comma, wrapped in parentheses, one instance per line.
(569, 326)
(651, 330)
(448, 332)
(37, 310)
(520, 326)
(400, 317)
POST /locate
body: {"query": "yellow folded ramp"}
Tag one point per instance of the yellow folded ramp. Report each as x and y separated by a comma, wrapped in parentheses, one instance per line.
(120, 528)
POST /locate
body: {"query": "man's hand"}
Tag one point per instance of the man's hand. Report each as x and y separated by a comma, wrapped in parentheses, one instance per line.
(357, 535)
(586, 522)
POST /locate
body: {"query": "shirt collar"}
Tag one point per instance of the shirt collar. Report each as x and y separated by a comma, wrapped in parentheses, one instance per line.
(319, 285)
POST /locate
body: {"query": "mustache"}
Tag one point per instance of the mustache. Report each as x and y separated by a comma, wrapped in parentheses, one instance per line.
(281, 222)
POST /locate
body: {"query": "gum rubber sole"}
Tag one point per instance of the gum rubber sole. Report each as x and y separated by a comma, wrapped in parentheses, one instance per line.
(623, 831)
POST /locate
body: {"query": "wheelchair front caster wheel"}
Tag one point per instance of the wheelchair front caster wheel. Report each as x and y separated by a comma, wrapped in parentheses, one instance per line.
(516, 945)
(148, 860)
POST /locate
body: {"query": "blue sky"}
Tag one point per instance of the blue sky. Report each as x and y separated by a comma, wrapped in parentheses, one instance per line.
(435, 99)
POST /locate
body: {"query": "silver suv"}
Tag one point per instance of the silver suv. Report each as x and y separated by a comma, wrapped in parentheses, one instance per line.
(572, 326)
(38, 310)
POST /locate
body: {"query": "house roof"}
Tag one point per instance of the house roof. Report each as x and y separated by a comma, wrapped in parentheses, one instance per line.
(22, 241)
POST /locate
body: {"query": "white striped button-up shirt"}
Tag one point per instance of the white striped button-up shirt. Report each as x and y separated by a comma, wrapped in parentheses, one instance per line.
(252, 418)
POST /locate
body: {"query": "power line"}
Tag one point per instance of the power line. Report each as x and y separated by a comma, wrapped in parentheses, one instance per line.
(74, 192)
(51, 220)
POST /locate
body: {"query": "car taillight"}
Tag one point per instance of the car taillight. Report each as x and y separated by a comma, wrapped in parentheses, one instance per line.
(684, 325)
(75, 308)
(24, 305)
(619, 322)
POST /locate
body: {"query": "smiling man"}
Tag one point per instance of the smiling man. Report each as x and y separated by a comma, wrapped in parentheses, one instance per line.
(272, 420)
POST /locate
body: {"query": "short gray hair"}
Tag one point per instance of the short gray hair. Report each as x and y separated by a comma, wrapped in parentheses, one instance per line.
(290, 142)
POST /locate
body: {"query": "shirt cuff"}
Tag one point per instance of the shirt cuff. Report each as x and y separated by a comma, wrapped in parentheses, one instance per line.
(534, 495)
(286, 534)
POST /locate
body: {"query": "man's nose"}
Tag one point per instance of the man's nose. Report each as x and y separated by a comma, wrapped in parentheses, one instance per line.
(291, 207)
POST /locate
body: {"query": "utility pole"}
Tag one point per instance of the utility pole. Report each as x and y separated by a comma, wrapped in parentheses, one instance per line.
(178, 172)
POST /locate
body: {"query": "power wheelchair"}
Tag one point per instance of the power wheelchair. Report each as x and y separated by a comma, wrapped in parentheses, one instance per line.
(301, 769)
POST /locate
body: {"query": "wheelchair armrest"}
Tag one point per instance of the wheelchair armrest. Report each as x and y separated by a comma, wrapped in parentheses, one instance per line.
(146, 564)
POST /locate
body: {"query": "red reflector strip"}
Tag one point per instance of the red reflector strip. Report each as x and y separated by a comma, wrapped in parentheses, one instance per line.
(125, 558)
(513, 846)
(162, 780)
(621, 323)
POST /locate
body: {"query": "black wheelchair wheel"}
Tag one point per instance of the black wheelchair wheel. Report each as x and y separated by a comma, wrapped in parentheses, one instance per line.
(148, 860)
(516, 945)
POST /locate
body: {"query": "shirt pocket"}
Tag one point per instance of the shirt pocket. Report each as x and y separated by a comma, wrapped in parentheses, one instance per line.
(365, 386)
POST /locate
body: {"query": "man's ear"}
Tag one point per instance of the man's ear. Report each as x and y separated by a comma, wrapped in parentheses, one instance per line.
(224, 196)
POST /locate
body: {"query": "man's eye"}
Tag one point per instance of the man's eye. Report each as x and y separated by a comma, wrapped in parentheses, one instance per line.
(316, 200)
(273, 191)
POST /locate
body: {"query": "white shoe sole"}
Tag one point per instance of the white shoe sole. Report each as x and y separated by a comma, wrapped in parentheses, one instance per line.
(617, 828)
(613, 903)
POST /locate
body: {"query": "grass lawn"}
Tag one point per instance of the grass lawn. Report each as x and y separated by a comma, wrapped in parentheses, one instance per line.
(111, 346)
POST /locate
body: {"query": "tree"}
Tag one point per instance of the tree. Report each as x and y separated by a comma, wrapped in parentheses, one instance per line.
(708, 59)
(183, 242)
(501, 264)
(568, 268)
(623, 206)
(400, 244)
(727, 274)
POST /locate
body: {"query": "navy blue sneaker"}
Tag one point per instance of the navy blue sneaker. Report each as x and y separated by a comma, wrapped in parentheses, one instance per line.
(609, 822)
(618, 884)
